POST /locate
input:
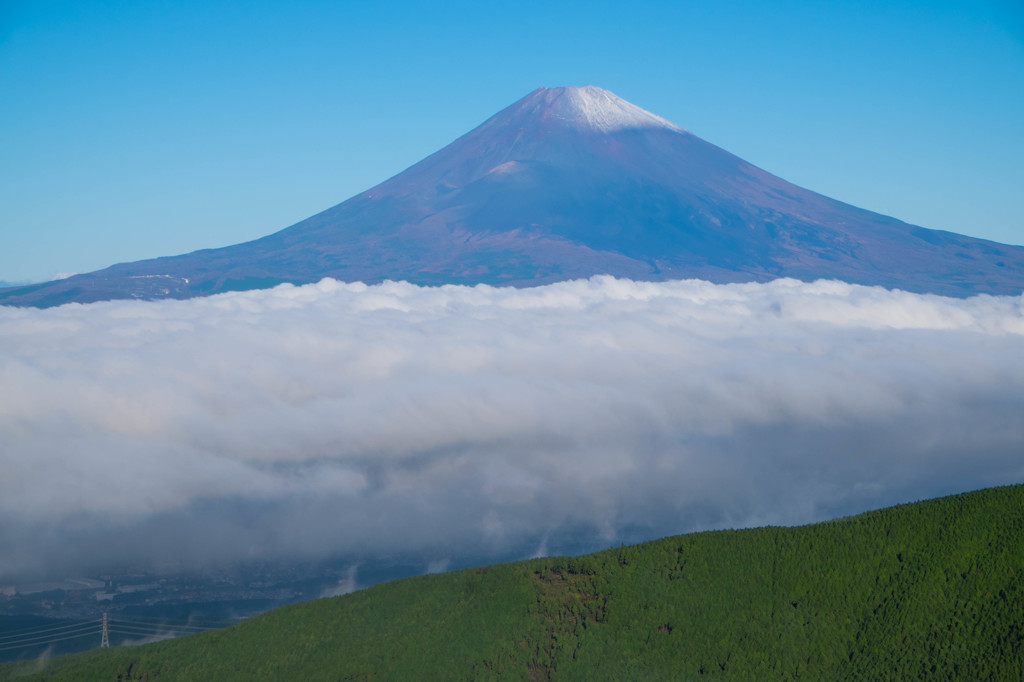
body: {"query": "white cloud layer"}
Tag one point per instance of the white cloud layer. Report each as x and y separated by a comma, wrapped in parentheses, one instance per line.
(346, 419)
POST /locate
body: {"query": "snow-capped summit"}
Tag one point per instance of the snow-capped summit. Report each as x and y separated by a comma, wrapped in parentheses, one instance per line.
(588, 107)
(564, 183)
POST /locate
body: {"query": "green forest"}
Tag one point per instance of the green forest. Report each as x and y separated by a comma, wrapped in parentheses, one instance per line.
(922, 591)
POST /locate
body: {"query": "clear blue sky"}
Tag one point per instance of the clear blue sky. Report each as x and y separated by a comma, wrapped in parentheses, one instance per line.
(138, 129)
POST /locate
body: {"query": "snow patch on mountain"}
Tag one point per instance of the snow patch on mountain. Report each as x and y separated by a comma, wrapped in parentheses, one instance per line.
(596, 108)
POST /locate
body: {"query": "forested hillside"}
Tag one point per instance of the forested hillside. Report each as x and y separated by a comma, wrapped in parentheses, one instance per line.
(925, 591)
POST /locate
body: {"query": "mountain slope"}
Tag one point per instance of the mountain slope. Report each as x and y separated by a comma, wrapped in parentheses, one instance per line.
(566, 183)
(927, 591)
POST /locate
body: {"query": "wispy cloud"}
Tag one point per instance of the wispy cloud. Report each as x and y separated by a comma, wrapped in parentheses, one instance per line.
(340, 418)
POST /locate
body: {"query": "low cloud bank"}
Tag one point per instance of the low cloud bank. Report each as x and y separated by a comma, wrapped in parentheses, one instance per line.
(335, 419)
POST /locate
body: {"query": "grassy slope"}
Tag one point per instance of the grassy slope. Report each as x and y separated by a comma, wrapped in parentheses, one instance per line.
(931, 590)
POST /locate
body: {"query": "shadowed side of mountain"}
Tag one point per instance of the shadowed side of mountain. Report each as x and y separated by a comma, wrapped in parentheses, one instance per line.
(569, 183)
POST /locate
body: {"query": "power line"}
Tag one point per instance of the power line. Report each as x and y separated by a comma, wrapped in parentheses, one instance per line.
(205, 623)
(42, 629)
(162, 627)
(120, 629)
(40, 641)
(91, 632)
(163, 619)
(51, 634)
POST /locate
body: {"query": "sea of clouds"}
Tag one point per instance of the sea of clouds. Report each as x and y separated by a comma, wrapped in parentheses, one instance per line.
(345, 419)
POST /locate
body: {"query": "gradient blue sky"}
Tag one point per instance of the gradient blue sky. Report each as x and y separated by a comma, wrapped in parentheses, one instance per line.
(139, 129)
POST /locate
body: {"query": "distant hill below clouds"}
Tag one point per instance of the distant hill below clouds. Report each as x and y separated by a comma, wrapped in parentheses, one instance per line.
(567, 183)
(924, 591)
